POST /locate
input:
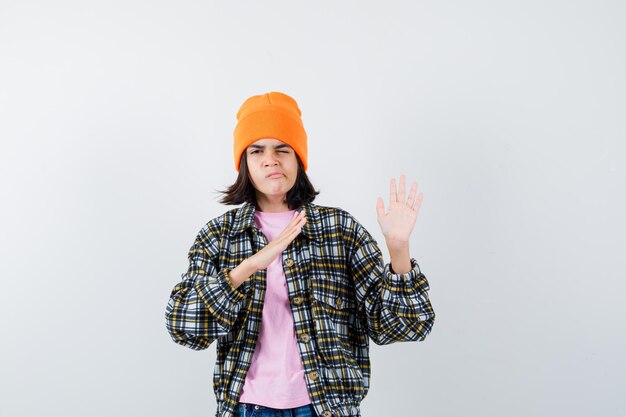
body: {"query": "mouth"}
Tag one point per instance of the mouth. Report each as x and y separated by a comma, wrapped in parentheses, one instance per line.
(274, 175)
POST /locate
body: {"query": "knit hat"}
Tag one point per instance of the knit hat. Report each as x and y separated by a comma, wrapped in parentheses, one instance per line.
(270, 115)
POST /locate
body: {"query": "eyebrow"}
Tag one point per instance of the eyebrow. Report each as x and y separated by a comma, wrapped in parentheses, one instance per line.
(280, 146)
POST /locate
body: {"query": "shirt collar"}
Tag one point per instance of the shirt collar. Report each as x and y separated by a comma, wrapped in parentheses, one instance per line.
(312, 229)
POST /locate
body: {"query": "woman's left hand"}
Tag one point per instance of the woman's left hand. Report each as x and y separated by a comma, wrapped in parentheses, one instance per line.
(397, 224)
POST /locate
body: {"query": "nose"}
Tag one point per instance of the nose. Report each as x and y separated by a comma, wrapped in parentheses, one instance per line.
(270, 159)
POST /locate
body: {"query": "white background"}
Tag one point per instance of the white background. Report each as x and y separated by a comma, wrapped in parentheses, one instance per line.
(116, 122)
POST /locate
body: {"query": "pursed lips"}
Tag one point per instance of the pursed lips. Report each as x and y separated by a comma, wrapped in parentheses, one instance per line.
(275, 175)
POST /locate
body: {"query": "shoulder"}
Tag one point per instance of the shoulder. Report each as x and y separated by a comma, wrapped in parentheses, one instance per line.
(327, 211)
(212, 231)
(339, 219)
(329, 215)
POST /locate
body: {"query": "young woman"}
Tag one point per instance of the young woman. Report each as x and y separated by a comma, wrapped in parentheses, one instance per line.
(293, 291)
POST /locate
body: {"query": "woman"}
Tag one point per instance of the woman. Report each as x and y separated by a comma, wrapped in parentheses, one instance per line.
(293, 291)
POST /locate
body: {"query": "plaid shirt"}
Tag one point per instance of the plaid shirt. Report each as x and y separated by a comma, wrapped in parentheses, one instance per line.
(341, 295)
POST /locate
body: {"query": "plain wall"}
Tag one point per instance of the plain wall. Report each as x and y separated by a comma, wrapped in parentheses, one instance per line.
(116, 122)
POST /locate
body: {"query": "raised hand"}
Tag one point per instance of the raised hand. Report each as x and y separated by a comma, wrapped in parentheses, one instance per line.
(398, 222)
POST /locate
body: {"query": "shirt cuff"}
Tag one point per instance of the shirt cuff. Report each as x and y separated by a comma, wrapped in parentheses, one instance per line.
(233, 294)
(220, 297)
(411, 279)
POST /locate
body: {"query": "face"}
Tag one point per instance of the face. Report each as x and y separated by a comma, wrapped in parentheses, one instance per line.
(273, 167)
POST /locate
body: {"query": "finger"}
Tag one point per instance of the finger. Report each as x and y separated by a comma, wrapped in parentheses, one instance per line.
(380, 207)
(298, 226)
(294, 227)
(288, 235)
(411, 199)
(296, 217)
(290, 225)
(297, 220)
(392, 191)
(401, 189)
(295, 232)
(418, 202)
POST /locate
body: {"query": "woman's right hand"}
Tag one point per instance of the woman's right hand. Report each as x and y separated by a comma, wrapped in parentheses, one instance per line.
(265, 256)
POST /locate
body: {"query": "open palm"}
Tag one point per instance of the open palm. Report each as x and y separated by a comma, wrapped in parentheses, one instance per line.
(398, 222)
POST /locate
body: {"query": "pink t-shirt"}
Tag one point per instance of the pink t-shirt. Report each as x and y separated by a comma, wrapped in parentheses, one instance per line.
(276, 375)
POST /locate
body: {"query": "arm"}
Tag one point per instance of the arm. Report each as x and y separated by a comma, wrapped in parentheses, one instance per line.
(207, 302)
(204, 305)
(392, 307)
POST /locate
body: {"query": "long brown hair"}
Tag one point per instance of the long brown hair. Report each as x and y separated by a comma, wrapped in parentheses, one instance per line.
(243, 191)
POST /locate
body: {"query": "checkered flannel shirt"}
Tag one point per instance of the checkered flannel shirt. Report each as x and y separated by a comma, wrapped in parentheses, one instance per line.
(341, 295)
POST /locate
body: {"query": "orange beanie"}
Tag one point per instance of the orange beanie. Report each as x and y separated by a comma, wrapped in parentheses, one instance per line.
(270, 115)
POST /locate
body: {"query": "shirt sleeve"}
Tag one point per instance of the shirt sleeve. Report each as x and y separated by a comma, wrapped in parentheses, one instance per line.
(393, 307)
(204, 305)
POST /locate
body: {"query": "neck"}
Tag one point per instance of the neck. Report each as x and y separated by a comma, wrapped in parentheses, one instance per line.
(272, 204)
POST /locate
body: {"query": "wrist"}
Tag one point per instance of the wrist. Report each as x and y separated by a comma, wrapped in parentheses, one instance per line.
(400, 259)
(397, 246)
(242, 272)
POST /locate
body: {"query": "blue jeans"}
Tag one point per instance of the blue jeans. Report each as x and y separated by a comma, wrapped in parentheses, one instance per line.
(253, 410)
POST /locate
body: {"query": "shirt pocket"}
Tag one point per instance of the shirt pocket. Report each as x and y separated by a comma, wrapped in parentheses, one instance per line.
(333, 316)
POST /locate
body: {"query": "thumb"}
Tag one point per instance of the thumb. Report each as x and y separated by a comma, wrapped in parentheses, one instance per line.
(380, 207)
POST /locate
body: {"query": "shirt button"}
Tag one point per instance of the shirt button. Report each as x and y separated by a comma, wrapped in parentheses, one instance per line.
(288, 262)
(305, 337)
(326, 414)
(314, 375)
(297, 300)
(338, 302)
